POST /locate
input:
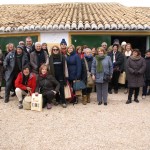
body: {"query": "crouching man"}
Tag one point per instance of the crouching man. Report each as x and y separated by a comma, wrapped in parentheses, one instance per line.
(25, 83)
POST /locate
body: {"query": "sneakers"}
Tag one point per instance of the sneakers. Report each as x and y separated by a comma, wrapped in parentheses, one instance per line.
(64, 105)
(13, 94)
(143, 97)
(49, 106)
(20, 106)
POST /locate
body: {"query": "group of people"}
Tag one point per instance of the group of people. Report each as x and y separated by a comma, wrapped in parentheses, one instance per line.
(31, 68)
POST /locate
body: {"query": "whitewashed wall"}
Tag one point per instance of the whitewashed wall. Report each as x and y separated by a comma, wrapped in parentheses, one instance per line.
(54, 37)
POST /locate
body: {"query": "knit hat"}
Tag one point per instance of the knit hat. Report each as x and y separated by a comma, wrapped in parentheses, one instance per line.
(19, 46)
(63, 42)
(123, 43)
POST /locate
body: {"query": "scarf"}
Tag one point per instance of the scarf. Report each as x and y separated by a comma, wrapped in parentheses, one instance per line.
(128, 53)
(88, 56)
(40, 58)
(99, 63)
(43, 75)
(25, 79)
(19, 61)
(135, 58)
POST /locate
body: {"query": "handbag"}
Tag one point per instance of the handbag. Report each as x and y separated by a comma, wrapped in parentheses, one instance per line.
(67, 91)
(78, 85)
(90, 81)
(122, 78)
(78, 93)
(27, 102)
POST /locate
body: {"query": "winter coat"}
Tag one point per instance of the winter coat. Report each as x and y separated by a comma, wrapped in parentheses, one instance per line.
(119, 60)
(64, 72)
(1, 65)
(135, 80)
(147, 71)
(74, 66)
(31, 82)
(9, 63)
(84, 69)
(34, 63)
(107, 69)
(46, 84)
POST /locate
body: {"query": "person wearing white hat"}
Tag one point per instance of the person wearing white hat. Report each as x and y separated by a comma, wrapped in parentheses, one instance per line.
(123, 44)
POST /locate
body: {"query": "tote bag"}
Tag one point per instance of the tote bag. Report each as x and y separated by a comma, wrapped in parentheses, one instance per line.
(122, 78)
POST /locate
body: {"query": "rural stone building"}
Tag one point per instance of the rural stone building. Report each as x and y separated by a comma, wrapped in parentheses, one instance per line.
(78, 23)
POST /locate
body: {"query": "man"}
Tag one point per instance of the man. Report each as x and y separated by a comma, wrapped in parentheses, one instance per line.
(13, 64)
(116, 41)
(29, 47)
(37, 58)
(118, 60)
(25, 83)
(104, 45)
(63, 47)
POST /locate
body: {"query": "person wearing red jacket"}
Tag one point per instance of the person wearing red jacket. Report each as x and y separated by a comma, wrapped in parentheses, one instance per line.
(25, 83)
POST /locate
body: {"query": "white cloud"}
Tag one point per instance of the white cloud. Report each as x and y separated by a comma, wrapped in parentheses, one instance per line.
(140, 3)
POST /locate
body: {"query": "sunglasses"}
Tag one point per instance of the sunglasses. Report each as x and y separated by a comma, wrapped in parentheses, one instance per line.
(55, 49)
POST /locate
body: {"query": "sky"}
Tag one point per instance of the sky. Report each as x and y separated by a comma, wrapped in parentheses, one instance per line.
(138, 3)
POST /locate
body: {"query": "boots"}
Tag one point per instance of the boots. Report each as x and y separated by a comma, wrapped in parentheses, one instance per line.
(128, 101)
(84, 99)
(88, 98)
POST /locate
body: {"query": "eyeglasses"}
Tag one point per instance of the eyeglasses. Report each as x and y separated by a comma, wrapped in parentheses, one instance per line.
(55, 49)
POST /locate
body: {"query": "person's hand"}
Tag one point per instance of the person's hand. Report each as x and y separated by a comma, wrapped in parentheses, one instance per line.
(54, 92)
(36, 93)
(28, 89)
(136, 72)
(93, 77)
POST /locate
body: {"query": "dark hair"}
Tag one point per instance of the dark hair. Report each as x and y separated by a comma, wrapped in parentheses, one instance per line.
(148, 50)
(137, 50)
(115, 45)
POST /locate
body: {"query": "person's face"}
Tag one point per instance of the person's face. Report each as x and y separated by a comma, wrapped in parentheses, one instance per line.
(135, 53)
(70, 49)
(100, 53)
(28, 42)
(10, 47)
(148, 54)
(63, 46)
(26, 71)
(44, 70)
(88, 52)
(22, 44)
(55, 50)
(93, 50)
(115, 48)
(104, 46)
(44, 46)
(123, 46)
(38, 47)
(128, 48)
(19, 51)
(79, 50)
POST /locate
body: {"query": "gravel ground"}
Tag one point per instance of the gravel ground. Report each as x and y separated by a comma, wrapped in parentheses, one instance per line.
(92, 127)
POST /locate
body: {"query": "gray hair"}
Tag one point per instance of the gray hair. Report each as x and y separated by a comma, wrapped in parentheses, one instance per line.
(37, 43)
(104, 43)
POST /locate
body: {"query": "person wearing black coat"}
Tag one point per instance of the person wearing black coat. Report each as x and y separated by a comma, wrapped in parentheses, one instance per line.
(47, 85)
(147, 74)
(118, 60)
(58, 68)
(88, 58)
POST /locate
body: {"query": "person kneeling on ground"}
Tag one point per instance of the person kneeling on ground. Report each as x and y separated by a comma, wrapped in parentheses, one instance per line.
(47, 85)
(25, 83)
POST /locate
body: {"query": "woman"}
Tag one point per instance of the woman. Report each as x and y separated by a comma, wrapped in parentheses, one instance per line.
(94, 51)
(79, 52)
(88, 58)
(135, 74)
(102, 70)
(13, 64)
(74, 66)
(44, 47)
(9, 48)
(47, 85)
(25, 83)
(147, 74)
(127, 53)
(58, 68)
